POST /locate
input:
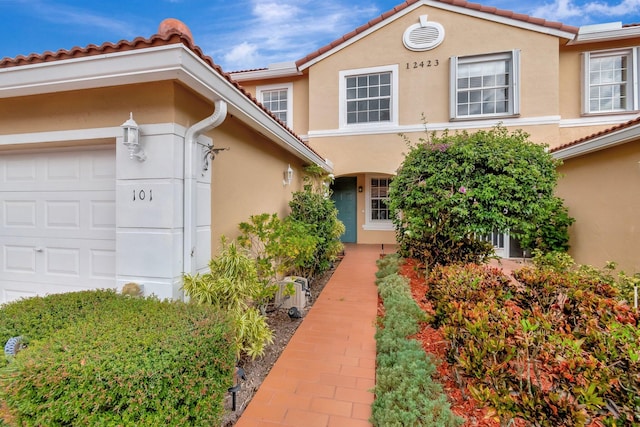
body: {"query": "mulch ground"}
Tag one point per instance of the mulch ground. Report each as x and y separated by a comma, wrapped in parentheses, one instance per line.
(434, 343)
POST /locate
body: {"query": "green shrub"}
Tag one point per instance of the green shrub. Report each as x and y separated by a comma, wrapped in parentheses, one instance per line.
(405, 391)
(452, 189)
(389, 264)
(116, 360)
(314, 207)
(279, 247)
(232, 285)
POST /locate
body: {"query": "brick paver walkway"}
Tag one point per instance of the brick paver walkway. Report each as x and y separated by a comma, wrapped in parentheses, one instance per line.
(325, 375)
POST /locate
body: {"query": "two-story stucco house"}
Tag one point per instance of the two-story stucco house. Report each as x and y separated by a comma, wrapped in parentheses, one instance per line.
(461, 66)
(86, 202)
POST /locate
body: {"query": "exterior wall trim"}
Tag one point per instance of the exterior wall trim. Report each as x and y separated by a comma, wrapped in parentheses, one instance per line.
(598, 120)
(457, 125)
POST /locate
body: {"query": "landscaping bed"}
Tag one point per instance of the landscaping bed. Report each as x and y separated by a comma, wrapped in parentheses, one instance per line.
(257, 369)
(547, 346)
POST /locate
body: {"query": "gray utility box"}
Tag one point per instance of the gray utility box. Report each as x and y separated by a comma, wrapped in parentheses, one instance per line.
(298, 299)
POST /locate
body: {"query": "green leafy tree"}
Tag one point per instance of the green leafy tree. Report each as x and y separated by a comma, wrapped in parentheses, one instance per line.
(314, 207)
(454, 188)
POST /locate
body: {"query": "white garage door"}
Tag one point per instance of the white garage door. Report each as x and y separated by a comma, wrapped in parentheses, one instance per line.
(57, 222)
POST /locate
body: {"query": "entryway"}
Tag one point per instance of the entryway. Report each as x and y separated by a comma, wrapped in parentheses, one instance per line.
(344, 195)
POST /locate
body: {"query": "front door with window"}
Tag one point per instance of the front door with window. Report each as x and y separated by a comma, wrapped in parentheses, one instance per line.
(344, 196)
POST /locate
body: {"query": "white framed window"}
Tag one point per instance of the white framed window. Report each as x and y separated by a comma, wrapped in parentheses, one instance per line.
(369, 97)
(378, 215)
(279, 100)
(610, 81)
(485, 85)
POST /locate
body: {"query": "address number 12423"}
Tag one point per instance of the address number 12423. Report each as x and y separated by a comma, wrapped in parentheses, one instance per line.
(422, 64)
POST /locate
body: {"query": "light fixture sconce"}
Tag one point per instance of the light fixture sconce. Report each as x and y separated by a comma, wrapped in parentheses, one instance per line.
(132, 139)
(288, 176)
(360, 189)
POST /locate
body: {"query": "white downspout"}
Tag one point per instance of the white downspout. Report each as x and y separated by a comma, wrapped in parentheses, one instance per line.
(190, 181)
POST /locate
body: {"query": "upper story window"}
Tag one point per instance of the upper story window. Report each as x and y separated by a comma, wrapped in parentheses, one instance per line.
(279, 100)
(610, 81)
(485, 85)
(369, 96)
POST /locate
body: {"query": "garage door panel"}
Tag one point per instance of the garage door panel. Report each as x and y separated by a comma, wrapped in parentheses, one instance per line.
(88, 170)
(76, 259)
(19, 259)
(59, 214)
(57, 222)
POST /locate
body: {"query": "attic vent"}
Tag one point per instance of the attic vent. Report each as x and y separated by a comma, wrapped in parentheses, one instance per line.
(423, 36)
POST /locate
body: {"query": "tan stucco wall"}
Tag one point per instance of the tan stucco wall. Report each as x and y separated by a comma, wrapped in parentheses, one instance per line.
(93, 108)
(247, 179)
(602, 192)
(426, 90)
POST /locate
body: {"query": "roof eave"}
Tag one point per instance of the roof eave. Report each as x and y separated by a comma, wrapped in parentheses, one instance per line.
(606, 35)
(171, 62)
(274, 71)
(608, 140)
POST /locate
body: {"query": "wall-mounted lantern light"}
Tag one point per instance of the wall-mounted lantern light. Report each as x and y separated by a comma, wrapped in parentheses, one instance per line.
(288, 176)
(360, 189)
(132, 139)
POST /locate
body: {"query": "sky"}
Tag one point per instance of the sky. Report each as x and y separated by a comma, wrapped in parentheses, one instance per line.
(242, 34)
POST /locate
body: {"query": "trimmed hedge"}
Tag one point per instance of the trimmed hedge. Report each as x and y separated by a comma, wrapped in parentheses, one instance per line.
(100, 358)
(405, 391)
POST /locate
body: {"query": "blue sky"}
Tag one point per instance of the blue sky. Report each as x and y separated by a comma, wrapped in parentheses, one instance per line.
(242, 34)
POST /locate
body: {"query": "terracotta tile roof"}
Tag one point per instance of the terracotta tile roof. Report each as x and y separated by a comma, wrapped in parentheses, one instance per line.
(460, 3)
(604, 132)
(169, 36)
(249, 70)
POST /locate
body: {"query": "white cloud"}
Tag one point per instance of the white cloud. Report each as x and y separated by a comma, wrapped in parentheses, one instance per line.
(285, 30)
(273, 13)
(241, 55)
(582, 13)
(75, 17)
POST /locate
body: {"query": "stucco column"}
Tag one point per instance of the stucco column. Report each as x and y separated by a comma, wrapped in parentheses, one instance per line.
(149, 212)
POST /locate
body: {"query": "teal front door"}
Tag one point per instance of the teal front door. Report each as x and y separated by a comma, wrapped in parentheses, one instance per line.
(345, 193)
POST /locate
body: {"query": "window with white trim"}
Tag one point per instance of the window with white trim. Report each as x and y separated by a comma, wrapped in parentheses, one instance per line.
(279, 100)
(610, 81)
(377, 208)
(368, 96)
(485, 85)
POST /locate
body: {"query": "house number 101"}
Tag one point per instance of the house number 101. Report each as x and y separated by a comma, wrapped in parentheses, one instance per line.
(142, 195)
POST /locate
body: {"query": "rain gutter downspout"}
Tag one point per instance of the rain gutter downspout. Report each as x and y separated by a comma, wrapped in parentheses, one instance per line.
(190, 181)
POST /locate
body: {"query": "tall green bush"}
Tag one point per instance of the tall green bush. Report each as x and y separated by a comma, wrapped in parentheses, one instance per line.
(279, 246)
(108, 359)
(454, 188)
(314, 207)
(232, 285)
